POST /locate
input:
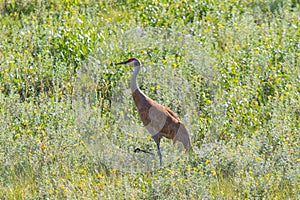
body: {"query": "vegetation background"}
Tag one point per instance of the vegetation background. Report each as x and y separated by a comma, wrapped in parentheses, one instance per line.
(230, 69)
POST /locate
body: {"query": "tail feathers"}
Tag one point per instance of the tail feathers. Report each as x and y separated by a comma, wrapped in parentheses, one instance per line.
(183, 136)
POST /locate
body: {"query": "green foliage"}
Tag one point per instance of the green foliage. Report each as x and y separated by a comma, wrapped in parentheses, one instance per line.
(230, 69)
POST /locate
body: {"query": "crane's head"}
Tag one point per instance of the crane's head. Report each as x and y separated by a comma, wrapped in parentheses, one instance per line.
(131, 61)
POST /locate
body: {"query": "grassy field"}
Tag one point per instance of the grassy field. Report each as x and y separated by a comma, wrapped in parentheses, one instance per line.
(230, 69)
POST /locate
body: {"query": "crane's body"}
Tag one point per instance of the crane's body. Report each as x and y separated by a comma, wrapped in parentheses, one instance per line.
(159, 120)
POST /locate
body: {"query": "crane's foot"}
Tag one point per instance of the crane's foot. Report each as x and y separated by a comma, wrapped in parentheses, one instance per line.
(136, 150)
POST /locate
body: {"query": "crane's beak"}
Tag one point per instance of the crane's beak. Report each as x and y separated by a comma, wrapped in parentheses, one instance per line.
(122, 63)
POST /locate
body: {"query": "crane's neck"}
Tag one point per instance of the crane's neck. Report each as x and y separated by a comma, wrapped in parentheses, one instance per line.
(140, 99)
(133, 84)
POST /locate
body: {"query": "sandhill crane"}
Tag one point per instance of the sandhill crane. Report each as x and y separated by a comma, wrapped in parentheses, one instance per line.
(159, 120)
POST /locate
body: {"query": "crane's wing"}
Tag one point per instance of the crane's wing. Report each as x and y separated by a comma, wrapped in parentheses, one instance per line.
(172, 114)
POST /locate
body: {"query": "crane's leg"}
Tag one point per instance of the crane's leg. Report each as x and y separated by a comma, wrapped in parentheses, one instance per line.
(157, 138)
(159, 154)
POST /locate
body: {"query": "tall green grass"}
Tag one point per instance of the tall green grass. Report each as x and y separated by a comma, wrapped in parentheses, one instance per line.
(68, 124)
